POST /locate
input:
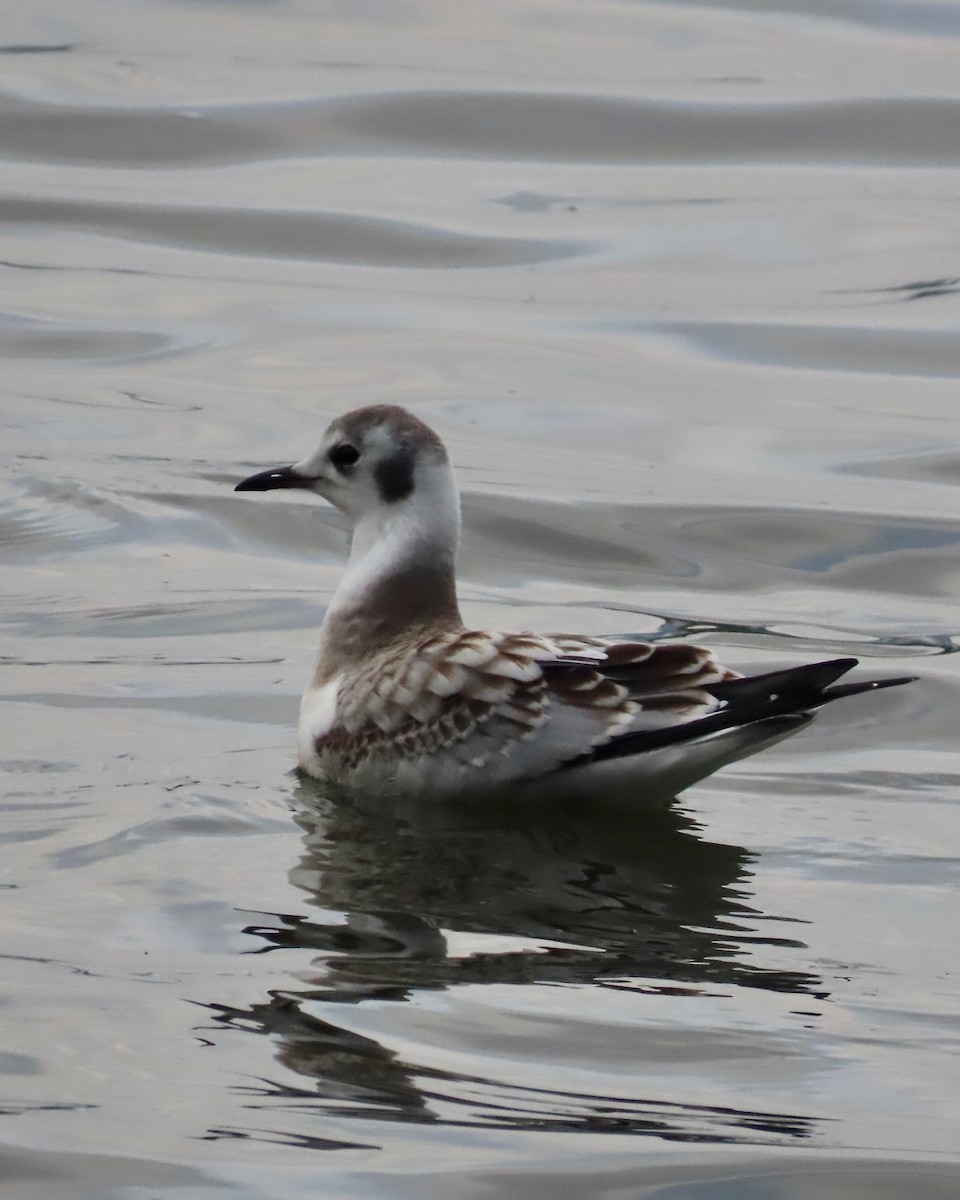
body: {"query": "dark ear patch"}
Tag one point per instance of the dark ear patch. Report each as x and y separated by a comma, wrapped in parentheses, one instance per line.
(394, 477)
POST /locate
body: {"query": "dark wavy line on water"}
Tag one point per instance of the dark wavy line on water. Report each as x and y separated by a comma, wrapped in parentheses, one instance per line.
(37, 48)
(352, 1076)
(877, 131)
(918, 289)
(271, 233)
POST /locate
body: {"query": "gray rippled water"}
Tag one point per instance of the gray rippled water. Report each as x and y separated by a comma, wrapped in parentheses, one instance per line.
(678, 283)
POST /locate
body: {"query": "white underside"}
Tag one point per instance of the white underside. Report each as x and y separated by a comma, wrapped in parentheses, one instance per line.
(318, 715)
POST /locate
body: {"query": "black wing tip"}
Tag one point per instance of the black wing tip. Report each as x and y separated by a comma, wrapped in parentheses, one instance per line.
(808, 683)
(855, 687)
(842, 664)
(779, 696)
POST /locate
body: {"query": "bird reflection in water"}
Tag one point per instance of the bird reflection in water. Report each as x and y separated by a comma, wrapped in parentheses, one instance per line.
(430, 897)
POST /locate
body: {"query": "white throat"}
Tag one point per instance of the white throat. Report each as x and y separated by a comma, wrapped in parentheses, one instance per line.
(422, 529)
(400, 580)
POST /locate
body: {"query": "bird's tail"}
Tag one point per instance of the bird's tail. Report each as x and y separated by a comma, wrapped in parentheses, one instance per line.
(794, 692)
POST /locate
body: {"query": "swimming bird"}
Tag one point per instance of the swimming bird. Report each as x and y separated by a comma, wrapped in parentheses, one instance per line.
(407, 698)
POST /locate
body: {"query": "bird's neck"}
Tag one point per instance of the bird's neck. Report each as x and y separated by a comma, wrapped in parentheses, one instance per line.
(400, 583)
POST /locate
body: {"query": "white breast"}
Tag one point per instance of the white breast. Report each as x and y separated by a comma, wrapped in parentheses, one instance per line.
(318, 715)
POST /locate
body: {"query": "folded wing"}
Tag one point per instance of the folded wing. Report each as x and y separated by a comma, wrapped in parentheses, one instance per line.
(516, 704)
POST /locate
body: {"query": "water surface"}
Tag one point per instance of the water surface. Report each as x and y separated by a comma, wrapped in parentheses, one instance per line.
(678, 285)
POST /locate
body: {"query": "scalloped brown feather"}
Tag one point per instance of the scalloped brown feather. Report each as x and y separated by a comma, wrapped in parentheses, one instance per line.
(418, 699)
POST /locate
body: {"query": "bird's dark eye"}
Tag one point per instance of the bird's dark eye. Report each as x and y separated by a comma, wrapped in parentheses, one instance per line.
(344, 455)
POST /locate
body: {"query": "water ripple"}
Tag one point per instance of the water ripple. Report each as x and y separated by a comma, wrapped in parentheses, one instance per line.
(311, 236)
(931, 353)
(498, 125)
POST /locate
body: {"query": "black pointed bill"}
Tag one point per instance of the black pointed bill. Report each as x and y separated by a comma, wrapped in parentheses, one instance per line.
(279, 477)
